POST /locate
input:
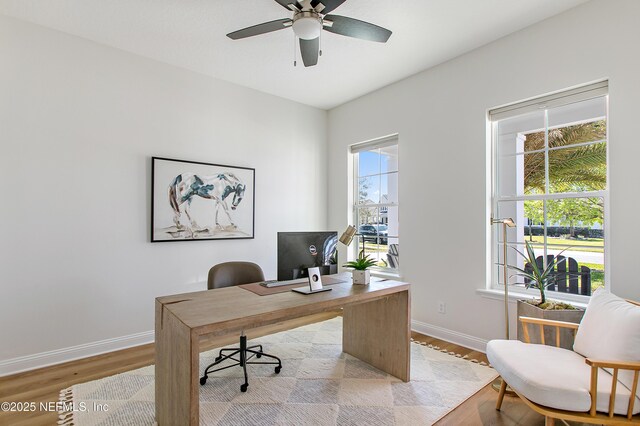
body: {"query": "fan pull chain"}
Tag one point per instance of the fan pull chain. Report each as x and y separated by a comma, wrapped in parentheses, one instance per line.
(295, 52)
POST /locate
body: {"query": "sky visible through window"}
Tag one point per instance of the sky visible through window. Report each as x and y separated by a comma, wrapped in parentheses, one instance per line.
(372, 163)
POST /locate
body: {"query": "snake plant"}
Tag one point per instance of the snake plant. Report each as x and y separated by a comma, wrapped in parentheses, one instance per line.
(538, 278)
(362, 263)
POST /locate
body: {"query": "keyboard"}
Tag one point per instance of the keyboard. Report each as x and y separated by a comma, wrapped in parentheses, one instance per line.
(276, 283)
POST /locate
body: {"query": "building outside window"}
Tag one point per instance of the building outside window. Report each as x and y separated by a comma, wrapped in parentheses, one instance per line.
(550, 175)
(375, 203)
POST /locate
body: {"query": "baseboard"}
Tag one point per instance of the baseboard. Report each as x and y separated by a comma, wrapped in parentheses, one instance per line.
(45, 359)
(451, 336)
(58, 356)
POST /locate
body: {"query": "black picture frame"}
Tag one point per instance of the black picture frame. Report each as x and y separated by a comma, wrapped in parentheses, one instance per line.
(214, 201)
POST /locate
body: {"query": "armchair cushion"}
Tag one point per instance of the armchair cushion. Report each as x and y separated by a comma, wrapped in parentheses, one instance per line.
(610, 330)
(553, 377)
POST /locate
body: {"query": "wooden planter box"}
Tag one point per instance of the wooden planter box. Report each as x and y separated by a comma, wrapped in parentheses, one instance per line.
(566, 336)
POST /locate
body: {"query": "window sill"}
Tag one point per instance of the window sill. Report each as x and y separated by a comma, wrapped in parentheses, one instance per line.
(516, 295)
(387, 274)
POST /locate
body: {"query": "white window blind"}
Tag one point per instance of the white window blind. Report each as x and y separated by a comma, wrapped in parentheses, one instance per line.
(578, 94)
(376, 143)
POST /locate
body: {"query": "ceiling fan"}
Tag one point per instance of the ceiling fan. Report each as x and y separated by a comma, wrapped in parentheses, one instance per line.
(310, 17)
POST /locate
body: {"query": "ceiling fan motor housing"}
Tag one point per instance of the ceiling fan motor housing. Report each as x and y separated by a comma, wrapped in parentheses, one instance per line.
(307, 24)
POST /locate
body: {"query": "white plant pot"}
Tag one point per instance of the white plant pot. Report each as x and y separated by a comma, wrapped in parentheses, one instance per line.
(361, 277)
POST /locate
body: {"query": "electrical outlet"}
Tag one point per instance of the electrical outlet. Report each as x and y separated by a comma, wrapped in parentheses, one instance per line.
(442, 307)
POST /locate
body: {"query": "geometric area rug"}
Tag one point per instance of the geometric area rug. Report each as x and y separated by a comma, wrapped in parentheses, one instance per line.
(318, 385)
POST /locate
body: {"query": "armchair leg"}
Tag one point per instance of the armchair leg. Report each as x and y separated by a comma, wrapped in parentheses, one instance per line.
(503, 388)
(549, 421)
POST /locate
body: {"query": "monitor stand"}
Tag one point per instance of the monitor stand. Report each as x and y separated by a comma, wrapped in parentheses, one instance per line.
(307, 290)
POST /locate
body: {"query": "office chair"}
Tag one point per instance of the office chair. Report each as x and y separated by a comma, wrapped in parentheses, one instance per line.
(227, 275)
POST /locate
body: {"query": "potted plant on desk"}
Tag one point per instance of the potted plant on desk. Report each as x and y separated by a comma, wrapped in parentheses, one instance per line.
(541, 278)
(360, 266)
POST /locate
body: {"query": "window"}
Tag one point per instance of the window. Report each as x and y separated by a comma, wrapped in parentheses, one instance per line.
(375, 203)
(550, 175)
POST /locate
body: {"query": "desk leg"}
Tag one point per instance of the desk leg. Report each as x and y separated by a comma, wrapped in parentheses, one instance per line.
(379, 333)
(177, 357)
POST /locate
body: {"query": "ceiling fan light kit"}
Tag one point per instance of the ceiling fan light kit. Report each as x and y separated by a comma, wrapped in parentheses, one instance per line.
(310, 17)
(307, 25)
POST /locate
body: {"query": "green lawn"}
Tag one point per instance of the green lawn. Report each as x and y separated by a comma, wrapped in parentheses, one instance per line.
(374, 248)
(578, 244)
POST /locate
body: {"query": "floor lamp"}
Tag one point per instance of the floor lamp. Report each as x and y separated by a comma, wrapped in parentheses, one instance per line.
(506, 222)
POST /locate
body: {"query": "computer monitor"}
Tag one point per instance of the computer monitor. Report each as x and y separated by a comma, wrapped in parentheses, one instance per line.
(298, 251)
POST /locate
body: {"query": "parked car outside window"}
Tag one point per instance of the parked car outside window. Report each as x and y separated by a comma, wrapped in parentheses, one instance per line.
(374, 233)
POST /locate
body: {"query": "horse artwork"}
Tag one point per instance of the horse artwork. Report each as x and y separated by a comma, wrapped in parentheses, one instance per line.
(216, 188)
(203, 201)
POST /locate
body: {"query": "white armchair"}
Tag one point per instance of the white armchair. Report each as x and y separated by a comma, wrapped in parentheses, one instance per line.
(597, 382)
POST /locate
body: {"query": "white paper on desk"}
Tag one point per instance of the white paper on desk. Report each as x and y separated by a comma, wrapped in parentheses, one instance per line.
(315, 280)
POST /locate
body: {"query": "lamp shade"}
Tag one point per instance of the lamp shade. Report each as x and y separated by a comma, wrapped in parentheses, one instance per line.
(347, 235)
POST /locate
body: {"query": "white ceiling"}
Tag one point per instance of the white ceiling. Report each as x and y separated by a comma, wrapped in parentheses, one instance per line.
(191, 34)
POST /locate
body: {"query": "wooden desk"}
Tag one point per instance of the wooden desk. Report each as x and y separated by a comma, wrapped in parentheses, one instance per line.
(376, 329)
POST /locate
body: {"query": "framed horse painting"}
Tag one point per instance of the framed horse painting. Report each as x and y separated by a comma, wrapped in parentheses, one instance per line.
(201, 201)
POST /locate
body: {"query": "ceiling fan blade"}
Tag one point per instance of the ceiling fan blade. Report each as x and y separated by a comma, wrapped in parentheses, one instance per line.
(286, 3)
(359, 29)
(329, 5)
(255, 30)
(309, 50)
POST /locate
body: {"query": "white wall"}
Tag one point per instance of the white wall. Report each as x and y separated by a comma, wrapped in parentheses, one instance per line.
(439, 115)
(78, 125)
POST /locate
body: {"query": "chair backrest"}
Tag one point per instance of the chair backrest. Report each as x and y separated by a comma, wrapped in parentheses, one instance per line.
(234, 273)
(567, 274)
(393, 256)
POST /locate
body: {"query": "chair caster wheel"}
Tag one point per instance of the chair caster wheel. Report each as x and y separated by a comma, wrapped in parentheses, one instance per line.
(278, 368)
(243, 388)
(203, 380)
(218, 358)
(258, 355)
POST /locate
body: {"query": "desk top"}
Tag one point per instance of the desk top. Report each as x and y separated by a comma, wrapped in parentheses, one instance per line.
(233, 308)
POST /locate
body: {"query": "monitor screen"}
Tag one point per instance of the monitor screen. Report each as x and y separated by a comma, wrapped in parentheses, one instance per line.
(298, 251)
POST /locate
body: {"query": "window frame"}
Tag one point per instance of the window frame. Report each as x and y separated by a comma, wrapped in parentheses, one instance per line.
(354, 151)
(495, 238)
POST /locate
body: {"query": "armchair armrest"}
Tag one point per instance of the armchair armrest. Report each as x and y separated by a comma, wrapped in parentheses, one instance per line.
(622, 365)
(542, 322)
(554, 323)
(616, 366)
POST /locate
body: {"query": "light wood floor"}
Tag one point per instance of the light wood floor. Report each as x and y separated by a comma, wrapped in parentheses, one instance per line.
(480, 409)
(44, 385)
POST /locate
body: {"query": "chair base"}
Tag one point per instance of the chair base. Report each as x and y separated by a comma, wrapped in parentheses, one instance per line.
(242, 360)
